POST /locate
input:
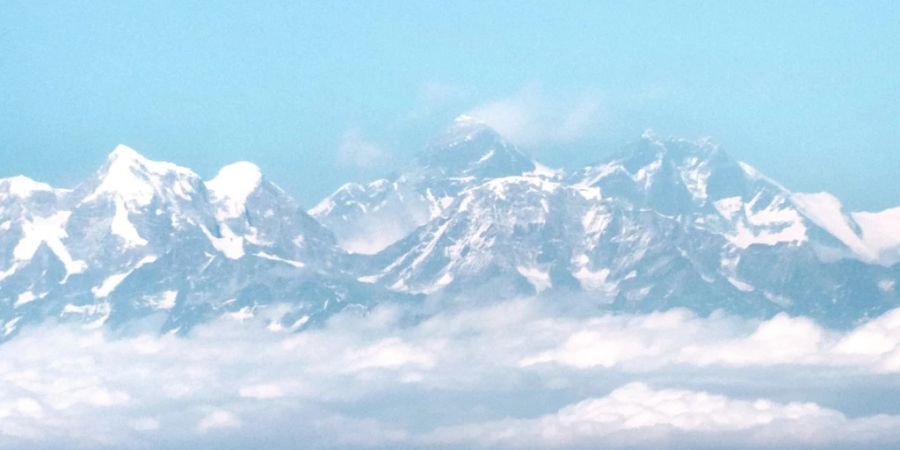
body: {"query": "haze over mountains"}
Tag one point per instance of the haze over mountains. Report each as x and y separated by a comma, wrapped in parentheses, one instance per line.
(668, 223)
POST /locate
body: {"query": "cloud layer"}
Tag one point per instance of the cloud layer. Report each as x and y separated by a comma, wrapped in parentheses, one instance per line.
(512, 375)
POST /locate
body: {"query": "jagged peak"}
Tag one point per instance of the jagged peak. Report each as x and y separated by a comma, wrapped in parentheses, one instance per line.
(653, 149)
(124, 159)
(137, 179)
(465, 128)
(124, 152)
(665, 144)
(470, 146)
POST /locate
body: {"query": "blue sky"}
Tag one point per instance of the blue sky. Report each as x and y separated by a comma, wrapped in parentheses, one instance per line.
(318, 93)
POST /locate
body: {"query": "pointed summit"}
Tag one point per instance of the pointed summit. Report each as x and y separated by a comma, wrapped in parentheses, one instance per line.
(136, 180)
(124, 152)
(469, 147)
(124, 157)
(464, 128)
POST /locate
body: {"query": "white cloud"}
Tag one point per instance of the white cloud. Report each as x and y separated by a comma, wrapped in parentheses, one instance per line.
(639, 416)
(677, 337)
(508, 375)
(145, 424)
(218, 419)
(262, 391)
(356, 151)
(530, 117)
(435, 97)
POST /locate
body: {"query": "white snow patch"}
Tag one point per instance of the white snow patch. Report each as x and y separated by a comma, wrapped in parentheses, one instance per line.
(109, 285)
(163, 301)
(25, 297)
(50, 230)
(729, 265)
(299, 323)
(695, 177)
(777, 299)
(11, 270)
(436, 206)
(429, 247)
(538, 278)
(242, 314)
(729, 206)
(23, 187)
(230, 245)
(369, 279)
(123, 228)
(595, 220)
(826, 211)
(596, 280)
(252, 236)
(879, 240)
(270, 257)
(544, 171)
(881, 233)
(740, 285)
(323, 208)
(101, 309)
(749, 170)
(444, 280)
(10, 326)
(589, 192)
(485, 157)
(774, 224)
(645, 174)
(112, 282)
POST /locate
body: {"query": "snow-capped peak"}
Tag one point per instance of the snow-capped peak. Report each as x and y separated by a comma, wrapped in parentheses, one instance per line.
(22, 186)
(123, 152)
(465, 128)
(469, 147)
(231, 187)
(135, 179)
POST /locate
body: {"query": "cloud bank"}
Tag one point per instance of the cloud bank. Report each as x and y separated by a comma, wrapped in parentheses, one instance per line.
(520, 374)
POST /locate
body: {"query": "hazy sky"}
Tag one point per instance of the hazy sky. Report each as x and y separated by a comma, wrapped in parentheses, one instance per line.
(318, 93)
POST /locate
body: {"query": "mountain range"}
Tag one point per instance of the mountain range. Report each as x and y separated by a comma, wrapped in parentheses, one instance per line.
(666, 223)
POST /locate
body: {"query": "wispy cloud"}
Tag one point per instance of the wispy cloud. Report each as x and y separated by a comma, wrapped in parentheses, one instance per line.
(436, 97)
(531, 117)
(356, 151)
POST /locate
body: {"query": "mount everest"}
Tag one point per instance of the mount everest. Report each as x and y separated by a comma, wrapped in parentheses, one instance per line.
(667, 223)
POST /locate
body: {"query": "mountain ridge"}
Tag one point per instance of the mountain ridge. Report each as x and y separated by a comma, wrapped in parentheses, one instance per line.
(666, 223)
